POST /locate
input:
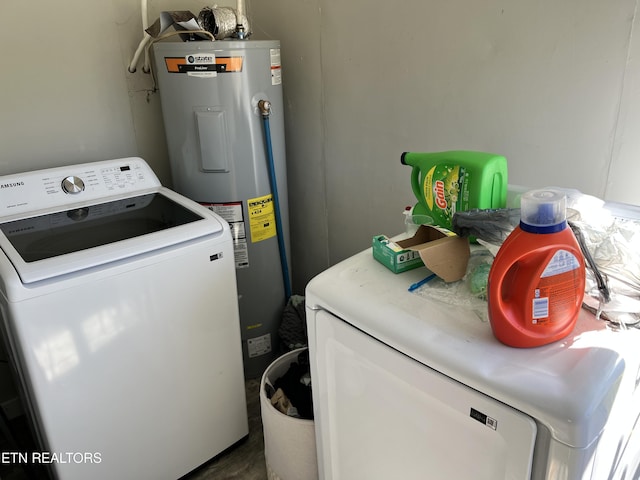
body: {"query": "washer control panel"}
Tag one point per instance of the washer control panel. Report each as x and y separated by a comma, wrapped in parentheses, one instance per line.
(59, 187)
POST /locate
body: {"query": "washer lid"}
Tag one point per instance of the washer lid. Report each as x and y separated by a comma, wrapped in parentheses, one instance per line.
(53, 244)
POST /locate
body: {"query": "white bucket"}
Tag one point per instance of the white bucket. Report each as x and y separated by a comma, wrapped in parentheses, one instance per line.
(289, 442)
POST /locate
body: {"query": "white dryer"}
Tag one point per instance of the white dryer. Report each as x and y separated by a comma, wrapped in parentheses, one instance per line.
(407, 387)
(119, 313)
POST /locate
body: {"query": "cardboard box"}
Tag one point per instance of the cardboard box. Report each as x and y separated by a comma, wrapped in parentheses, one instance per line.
(396, 258)
(441, 251)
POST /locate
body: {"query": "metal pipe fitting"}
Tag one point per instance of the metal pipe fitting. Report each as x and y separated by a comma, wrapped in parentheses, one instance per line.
(265, 107)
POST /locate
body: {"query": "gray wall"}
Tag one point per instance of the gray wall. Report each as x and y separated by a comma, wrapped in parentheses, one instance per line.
(553, 86)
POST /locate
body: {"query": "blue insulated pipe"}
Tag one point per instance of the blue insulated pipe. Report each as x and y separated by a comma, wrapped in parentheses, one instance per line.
(265, 110)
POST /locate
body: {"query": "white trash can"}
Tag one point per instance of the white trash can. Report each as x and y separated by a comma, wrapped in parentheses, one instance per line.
(289, 442)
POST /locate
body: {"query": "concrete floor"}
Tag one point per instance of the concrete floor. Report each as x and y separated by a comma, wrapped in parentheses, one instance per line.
(246, 460)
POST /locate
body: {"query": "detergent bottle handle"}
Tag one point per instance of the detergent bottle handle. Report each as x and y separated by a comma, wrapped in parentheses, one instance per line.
(415, 184)
(414, 160)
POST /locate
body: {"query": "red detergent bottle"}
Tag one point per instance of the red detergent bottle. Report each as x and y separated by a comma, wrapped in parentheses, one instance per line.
(536, 282)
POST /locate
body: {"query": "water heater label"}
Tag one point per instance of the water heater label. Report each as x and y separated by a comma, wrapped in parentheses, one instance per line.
(203, 64)
(259, 345)
(262, 219)
(276, 66)
(201, 59)
(232, 213)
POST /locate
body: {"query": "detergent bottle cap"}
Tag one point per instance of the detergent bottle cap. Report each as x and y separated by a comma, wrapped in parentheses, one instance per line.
(543, 211)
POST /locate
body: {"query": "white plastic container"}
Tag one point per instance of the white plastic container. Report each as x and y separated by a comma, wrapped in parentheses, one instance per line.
(289, 442)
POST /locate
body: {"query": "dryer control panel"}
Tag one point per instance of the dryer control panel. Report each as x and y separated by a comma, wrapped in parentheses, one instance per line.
(61, 187)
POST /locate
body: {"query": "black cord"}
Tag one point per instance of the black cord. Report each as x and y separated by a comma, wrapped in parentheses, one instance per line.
(600, 278)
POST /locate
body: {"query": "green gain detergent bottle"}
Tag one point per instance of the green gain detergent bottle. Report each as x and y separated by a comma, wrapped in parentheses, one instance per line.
(449, 182)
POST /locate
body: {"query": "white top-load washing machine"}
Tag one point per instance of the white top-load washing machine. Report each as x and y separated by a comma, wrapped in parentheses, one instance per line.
(413, 388)
(119, 313)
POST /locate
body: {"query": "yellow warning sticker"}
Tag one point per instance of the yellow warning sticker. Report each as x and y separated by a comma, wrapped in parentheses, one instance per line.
(262, 219)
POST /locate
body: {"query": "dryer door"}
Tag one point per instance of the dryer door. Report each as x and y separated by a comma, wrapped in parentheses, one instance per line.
(380, 415)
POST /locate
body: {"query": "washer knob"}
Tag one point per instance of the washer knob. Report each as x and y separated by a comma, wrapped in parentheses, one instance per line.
(72, 185)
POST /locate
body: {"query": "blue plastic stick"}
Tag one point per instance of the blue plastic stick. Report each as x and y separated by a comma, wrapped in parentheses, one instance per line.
(417, 285)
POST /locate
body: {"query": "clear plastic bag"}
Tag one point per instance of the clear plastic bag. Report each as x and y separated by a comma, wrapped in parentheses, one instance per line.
(612, 290)
(470, 291)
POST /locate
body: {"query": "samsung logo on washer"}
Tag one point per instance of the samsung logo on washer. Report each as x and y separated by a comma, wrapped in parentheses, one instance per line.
(206, 59)
(11, 185)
